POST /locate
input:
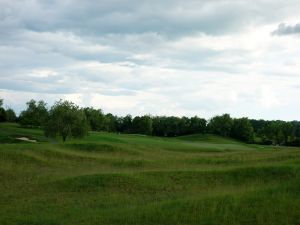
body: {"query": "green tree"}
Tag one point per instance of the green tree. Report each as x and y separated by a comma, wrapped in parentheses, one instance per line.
(142, 125)
(159, 126)
(287, 131)
(184, 125)
(126, 124)
(35, 114)
(295, 137)
(172, 126)
(2, 112)
(296, 129)
(277, 132)
(258, 125)
(221, 125)
(11, 115)
(273, 132)
(66, 120)
(280, 132)
(96, 118)
(111, 123)
(242, 130)
(198, 125)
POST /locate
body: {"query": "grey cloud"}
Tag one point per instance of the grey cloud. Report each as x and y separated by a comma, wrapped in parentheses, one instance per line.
(35, 87)
(170, 18)
(148, 53)
(284, 29)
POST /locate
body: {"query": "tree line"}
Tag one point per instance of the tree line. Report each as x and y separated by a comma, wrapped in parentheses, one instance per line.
(65, 119)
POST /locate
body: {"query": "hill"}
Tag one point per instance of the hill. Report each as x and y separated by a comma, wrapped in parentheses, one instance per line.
(208, 138)
(132, 179)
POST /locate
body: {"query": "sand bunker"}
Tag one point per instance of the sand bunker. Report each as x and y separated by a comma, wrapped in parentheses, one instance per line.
(26, 139)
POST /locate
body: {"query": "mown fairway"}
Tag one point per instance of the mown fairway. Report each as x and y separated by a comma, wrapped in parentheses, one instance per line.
(132, 179)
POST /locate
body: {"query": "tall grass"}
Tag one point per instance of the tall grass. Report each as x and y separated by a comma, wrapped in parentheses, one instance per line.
(129, 179)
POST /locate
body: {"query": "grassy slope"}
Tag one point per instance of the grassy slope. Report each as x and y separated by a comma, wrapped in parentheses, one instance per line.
(132, 179)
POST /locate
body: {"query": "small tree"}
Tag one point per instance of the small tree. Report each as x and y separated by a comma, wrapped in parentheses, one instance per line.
(111, 123)
(11, 115)
(287, 131)
(221, 125)
(96, 118)
(126, 124)
(2, 112)
(198, 125)
(2, 115)
(242, 130)
(66, 120)
(142, 125)
(35, 114)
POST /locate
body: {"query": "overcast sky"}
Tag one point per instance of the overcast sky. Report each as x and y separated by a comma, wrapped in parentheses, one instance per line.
(163, 57)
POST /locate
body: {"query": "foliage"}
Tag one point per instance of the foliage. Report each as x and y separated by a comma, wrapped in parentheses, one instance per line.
(258, 125)
(125, 124)
(35, 114)
(2, 112)
(96, 118)
(175, 126)
(278, 132)
(242, 130)
(111, 123)
(197, 125)
(252, 131)
(66, 120)
(142, 125)
(3, 116)
(11, 115)
(221, 125)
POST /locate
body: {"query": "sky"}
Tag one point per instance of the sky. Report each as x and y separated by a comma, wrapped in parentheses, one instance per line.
(169, 57)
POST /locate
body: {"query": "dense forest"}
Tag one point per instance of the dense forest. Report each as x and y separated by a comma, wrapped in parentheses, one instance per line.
(37, 114)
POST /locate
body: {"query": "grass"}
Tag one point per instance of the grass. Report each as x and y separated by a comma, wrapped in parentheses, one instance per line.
(131, 179)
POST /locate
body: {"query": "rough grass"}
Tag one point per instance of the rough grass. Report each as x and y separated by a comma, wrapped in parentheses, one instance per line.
(130, 179)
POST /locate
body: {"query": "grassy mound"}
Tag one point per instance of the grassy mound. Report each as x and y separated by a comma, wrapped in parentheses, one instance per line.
(131, 179)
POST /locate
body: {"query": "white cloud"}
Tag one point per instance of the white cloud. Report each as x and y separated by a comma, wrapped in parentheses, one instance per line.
(170, 57)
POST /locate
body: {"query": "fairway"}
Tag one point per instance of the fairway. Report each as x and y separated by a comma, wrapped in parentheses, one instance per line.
(109, 178)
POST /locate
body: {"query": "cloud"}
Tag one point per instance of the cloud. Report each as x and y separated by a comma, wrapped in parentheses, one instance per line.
(160, 57)
(284, 29)
(171, 18)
